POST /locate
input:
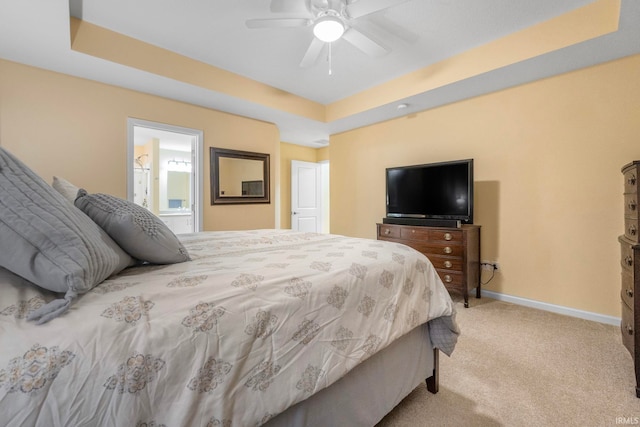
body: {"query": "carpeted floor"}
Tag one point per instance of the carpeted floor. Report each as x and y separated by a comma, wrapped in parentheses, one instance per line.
(517, 366)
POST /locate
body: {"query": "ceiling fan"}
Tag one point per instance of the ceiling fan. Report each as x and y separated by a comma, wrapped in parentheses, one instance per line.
(331, 20)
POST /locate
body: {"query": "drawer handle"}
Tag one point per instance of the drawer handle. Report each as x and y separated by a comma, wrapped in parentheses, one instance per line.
(630, 329)
(632, 179)
(447, 249)
(448, 278)
(632, 230)
(628, 260)
(632, 205)
(387, 231)
(448, 264)
(629, 293)
(447, 236)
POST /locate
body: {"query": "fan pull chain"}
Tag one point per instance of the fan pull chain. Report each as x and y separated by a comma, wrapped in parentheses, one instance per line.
(330, 70)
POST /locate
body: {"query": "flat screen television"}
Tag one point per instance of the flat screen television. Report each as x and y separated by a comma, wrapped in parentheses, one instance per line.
(438, 194)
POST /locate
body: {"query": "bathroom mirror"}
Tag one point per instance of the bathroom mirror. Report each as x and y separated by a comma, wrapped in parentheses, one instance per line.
(239, 177)
(178, 190)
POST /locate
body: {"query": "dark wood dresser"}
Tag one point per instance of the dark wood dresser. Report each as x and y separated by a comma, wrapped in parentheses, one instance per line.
(454, 252)
(630, 260)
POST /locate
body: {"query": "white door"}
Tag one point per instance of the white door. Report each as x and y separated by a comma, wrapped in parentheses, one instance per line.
(306, 196)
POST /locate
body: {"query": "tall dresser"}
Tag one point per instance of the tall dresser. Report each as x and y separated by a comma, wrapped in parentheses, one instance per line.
(630, 260)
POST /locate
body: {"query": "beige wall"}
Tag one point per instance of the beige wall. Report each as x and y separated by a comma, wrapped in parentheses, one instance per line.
(100, 42)
(76, 128)
(547, 175)
(547, 165)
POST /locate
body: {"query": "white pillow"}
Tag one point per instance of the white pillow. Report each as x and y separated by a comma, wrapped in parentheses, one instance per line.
(64, 187)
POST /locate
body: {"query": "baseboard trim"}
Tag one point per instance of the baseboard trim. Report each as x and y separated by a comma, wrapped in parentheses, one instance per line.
(587, 315)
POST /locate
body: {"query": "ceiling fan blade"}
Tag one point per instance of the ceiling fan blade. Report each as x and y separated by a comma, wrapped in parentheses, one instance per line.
(388, 29)
(365, 7)
(312, 54)
(289, 6)
(364, 43)
(277, 23)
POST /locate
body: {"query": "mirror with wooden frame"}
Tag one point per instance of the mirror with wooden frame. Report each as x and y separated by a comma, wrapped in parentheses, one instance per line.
(239, 177)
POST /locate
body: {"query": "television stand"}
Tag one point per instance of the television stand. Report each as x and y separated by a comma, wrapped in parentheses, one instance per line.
(426, 222)
(453, 251)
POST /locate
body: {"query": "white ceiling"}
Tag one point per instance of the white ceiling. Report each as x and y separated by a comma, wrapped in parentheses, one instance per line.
(215, 32)
(417, 32)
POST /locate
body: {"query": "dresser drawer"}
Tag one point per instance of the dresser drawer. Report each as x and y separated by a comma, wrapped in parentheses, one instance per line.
(447, 235)
(626, 255)
(631, 179)
(631, 205)
(446, 263)
(450, 279)
(411, 233)
(631, 229)
(627, 329)
(417, 233)
(428, 248)
(627, 293)
(388, 232)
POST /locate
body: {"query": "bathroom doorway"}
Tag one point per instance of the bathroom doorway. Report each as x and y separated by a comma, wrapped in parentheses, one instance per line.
(164, 173)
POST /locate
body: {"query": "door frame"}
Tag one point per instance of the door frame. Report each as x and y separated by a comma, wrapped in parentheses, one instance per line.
(196, 161)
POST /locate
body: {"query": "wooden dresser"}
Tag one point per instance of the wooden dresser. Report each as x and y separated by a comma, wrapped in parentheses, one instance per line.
(454, 252)
(630, 260)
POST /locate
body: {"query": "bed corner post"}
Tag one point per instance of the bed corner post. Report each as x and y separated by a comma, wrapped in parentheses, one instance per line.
(433, 380)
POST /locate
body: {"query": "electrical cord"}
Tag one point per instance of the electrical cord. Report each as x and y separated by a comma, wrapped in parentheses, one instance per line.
(493, 273)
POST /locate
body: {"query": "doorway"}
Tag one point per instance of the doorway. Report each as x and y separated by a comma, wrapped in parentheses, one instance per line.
(164, 172)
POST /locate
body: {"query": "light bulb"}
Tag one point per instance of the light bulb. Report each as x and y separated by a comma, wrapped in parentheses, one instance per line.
(328, 29)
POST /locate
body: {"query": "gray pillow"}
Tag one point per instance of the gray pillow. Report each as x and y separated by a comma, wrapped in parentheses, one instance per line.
(48, 241)
(139, 232)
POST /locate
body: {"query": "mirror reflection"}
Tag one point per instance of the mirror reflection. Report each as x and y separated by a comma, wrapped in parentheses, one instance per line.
(178, 190)
(239, 177)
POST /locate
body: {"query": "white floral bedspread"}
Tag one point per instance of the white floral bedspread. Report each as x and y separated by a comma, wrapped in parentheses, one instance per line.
(257, 321)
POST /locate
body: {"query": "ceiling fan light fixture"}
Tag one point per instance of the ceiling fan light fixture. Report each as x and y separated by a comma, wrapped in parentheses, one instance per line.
(328, 29)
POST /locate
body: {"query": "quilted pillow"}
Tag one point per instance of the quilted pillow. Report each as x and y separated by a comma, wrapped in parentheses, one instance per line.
(139, 232)
(48, 241)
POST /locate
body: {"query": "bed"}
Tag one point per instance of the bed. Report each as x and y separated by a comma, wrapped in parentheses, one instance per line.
(260, 327)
